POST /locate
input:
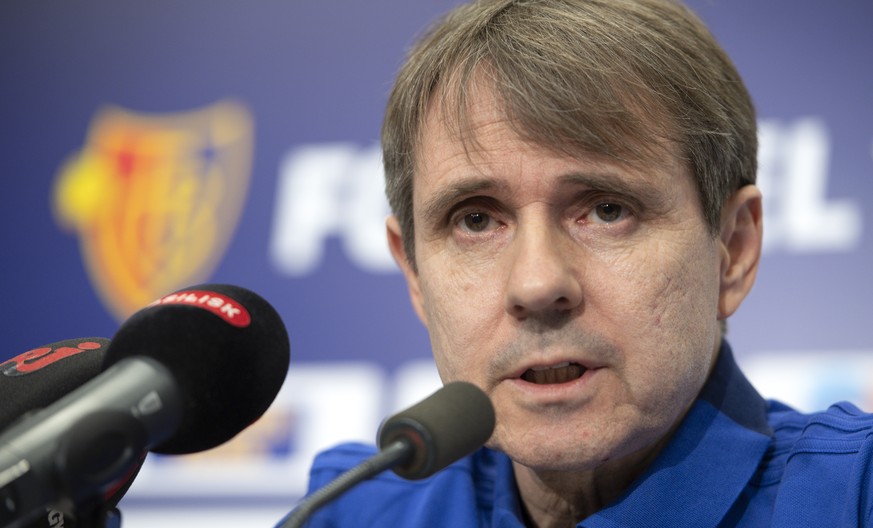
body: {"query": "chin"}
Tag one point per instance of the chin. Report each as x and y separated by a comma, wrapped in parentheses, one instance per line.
(548, 452)
(557, 449)
(546, 460)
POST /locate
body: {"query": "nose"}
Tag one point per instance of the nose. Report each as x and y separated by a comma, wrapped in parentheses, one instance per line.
(542, 275)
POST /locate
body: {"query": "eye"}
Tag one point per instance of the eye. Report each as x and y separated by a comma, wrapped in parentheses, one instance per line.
(476, 222)
(607, 213)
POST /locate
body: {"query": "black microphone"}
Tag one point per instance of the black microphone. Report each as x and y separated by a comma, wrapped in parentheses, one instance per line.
(39, 377)
(415, 443)
(182, 375)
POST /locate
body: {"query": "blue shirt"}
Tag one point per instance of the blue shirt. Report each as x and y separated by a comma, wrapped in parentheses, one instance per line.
(736, 460)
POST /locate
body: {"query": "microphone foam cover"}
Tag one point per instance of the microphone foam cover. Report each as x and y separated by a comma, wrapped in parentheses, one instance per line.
(227, 349)
(39, 377)
(444, 427)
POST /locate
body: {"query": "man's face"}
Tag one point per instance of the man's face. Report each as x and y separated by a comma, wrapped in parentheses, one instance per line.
(580, 294)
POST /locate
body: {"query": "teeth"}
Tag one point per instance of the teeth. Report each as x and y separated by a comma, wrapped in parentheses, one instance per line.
(561, 373)
(559, 365)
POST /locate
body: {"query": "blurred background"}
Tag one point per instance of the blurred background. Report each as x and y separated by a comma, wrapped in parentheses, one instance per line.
(149, 146)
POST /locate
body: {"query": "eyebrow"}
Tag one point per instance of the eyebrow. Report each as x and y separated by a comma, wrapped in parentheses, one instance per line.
(448, 196)
(638, 189)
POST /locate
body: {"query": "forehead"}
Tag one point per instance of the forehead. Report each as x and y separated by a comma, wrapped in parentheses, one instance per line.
(482, 142)
(626, 124)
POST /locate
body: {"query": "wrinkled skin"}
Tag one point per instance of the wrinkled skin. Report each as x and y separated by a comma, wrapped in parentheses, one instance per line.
(581, 294)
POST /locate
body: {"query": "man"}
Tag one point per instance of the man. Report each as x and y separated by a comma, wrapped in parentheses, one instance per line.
(575, 214)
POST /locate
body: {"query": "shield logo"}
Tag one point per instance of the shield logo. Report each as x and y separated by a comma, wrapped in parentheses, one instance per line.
(155, 199)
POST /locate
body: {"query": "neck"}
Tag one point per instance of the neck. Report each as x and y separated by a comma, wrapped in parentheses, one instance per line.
(561, 499)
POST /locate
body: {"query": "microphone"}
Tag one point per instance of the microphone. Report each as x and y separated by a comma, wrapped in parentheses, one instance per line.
(449, 425)
(41, 376)
(184, 374)
(415, 443)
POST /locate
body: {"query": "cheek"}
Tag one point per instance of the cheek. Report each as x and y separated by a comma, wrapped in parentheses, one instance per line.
(666, 307)
(688, 296)
(460, 305)
(670, 288)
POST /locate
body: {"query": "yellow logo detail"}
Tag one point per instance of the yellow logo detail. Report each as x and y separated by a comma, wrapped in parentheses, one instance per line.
(155, 199)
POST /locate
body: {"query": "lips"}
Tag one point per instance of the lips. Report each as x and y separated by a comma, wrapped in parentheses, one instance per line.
(554, 374)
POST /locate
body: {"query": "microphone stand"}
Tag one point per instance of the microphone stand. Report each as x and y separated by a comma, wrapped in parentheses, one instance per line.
(395, 453)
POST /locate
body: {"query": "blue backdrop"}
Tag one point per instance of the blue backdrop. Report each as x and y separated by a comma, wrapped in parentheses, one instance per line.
(145, 146)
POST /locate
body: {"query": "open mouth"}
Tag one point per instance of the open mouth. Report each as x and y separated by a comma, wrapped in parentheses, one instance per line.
(560, 373)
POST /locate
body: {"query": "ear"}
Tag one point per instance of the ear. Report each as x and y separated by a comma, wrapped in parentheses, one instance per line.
(742, 231)
(395, 243)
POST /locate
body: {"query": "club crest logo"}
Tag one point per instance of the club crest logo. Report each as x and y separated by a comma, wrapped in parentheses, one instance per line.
(155, 199)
